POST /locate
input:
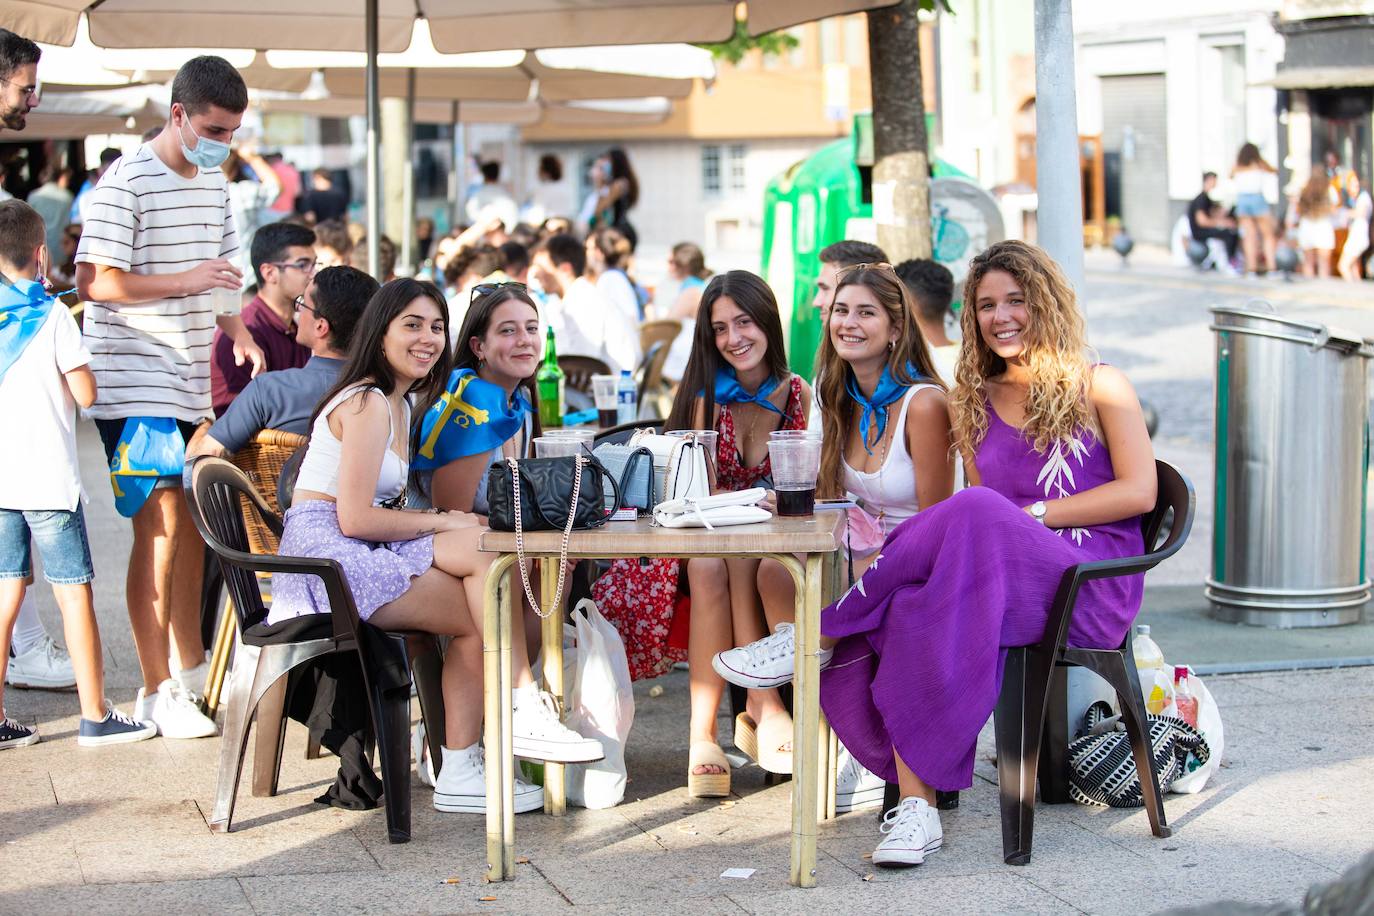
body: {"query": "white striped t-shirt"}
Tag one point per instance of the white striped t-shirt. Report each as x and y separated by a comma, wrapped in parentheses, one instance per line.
(153, 359)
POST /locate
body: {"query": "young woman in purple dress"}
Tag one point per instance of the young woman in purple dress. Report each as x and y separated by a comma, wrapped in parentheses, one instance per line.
(1060, 469)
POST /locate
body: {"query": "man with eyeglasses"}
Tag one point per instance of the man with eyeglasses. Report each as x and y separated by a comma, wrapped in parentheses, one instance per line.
(283, 259)
(19, 87)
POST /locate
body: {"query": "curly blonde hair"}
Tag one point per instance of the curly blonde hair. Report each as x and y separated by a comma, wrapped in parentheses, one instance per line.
(1056, 353)
(910, 351)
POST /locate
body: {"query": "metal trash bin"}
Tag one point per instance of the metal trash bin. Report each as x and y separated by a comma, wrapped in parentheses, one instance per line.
(1292, 456)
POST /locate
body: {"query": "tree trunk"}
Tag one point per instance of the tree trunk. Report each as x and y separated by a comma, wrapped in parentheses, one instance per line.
(901, 168)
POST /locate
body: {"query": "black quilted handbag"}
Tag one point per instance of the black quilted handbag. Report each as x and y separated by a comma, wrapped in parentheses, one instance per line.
(546, 493)
(1102, 767)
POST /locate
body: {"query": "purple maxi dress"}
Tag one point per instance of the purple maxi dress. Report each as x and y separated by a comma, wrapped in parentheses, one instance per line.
(923, 634)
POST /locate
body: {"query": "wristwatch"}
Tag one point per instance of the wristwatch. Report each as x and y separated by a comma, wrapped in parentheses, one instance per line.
(1037, 511)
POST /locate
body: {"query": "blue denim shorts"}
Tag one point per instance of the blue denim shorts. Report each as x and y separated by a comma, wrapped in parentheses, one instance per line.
(61, 539)
(1251, 205)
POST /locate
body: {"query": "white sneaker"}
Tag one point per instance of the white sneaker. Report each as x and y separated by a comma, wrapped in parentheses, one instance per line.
(856, 788)
(913, 832)
(765, 663)
(424, 766)
(175, 711)
(538, 734)
(45, 666)
(462, 784)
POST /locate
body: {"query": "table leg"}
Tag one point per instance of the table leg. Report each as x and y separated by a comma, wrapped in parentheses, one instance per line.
(496, 701)
(832, 585)
(806, 722)
(508, 606)
(226, 635)
(555, 774)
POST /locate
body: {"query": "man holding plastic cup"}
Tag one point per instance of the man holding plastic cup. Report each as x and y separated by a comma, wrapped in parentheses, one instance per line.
(155, 268)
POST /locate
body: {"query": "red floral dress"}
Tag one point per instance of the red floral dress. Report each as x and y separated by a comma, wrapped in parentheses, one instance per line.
(639, 597)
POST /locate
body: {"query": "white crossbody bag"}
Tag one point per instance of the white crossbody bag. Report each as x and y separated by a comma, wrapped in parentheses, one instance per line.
(679, 465)
(737, 508)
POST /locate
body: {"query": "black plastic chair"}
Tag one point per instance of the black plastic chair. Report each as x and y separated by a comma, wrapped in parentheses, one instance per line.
(267, 654)
(624, 431)
(1028, 745)
(1031, 721)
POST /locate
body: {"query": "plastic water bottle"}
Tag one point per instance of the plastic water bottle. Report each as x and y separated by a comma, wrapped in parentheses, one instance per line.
(1149, 661)
(626, 399)
(1184, 700)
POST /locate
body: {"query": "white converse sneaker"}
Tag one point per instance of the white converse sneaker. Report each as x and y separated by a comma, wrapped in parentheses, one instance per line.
(856, 788)
(175, 712)
(765, 663)
(462, 784)
(913, 832)
(45, 666)
(538, 734)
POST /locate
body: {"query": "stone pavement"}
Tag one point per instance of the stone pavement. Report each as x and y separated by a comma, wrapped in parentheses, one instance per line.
(123, 828)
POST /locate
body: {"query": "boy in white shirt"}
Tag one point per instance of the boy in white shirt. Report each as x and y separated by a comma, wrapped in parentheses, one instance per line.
(44, 374)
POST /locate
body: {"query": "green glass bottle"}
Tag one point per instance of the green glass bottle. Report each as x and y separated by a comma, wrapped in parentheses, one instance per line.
(548, 383)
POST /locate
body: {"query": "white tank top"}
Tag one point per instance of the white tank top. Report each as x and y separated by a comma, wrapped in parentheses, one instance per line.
(892, 488)
(1249, 180)
(320, 467)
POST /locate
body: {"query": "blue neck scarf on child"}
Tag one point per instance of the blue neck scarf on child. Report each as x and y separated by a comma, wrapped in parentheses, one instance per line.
(148, 448)
(24, 306)
(730, 391)
(472, 417)
(885, 392)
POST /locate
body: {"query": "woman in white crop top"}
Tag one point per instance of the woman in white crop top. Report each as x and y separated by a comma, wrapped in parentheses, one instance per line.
(408, 570)
(885, 442)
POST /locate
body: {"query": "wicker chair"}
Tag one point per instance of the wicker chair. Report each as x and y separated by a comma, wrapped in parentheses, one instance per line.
(578, 371)
(664, 330)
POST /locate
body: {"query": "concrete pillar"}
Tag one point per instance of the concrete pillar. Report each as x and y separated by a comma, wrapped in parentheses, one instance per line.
(1058, 181)
(395, 167)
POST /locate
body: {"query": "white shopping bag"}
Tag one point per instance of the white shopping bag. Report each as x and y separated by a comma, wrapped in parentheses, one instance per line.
(601, 705)
(1209, 723)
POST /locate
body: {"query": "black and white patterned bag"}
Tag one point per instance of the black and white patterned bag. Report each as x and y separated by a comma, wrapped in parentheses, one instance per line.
(1102, 767)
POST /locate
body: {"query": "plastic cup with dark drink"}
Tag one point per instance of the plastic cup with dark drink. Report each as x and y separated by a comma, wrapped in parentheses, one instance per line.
(604, 393)
(796, 460)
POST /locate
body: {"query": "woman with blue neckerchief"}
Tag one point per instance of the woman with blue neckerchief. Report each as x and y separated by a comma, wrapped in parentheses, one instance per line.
(487, 409)
(886, 444)
(736, 382)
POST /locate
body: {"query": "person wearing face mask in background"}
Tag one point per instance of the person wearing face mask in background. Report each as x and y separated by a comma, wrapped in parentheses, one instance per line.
(159, 238)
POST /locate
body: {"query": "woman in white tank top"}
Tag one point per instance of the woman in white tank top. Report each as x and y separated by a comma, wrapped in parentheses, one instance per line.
(886, 443)
(408, 570)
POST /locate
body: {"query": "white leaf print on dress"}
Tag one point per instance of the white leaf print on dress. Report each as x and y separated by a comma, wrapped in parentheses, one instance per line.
(1057, 477)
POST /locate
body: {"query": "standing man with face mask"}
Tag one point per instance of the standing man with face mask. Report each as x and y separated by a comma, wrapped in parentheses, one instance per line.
(159, 238)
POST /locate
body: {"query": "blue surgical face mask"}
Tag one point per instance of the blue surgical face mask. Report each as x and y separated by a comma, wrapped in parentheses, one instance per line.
(208, 154)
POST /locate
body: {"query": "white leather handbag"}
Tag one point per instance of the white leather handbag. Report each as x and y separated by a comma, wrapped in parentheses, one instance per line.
(679, 465)
(737, 508)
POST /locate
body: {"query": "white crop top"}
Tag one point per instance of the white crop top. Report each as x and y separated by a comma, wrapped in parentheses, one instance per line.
(320, 467)
(1250, 181)
(892, 488)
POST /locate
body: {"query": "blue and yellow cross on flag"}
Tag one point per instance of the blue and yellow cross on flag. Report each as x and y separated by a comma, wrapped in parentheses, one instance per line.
(471, 417)
(148, 448)
(24, 306)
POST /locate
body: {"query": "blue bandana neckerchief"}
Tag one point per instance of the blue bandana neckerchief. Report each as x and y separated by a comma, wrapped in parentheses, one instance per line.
(24, 306)
(148, 448)
(885, 392)
(730, 391)
(471, 417)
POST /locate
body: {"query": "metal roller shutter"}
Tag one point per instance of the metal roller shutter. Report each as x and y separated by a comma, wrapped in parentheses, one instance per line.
(1134, 125)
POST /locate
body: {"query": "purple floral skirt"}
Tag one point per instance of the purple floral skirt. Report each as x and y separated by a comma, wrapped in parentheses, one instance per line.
(377, 574)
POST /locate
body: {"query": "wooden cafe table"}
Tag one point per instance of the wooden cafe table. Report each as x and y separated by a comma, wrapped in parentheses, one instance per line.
(814, 538)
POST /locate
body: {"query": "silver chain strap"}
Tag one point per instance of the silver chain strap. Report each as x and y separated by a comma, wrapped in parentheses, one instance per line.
(567, 533)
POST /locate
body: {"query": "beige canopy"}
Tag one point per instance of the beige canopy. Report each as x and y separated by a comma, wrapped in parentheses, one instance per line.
(74, 115)
(607, 113)
(457, 25)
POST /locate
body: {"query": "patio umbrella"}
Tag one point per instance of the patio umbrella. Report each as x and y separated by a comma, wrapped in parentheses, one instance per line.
(74, 115)
(377, 26)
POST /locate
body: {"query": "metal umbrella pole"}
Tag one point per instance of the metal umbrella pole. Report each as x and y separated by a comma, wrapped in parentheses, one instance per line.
(374, 117)
(1058, 182)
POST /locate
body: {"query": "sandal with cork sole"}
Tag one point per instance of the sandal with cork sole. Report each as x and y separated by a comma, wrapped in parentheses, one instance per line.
(707, 785)
(764, 742)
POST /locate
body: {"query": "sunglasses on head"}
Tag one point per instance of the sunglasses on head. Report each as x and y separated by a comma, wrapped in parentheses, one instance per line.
(876, 265)
(486, 289)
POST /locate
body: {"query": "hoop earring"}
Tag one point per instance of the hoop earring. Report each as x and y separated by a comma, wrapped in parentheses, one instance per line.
(481, 364)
